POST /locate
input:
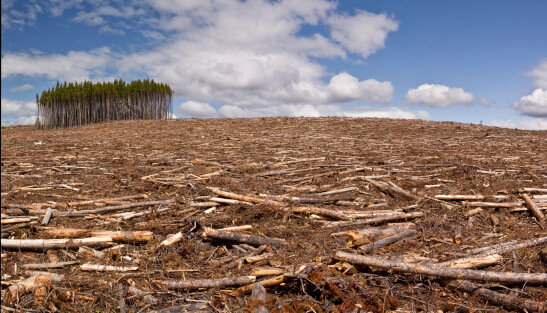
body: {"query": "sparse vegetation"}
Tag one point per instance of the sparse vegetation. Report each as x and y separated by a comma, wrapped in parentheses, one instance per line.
(78, 104)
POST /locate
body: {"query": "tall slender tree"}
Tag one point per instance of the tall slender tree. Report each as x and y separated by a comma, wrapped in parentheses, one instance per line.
(78, 104)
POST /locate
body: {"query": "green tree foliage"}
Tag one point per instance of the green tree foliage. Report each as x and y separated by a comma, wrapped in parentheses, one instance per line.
(77, 104)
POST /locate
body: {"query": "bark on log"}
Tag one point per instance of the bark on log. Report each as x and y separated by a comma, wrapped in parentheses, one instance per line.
(508, 301)
(319, 211)
(509, 248)
(206, 283)
(443, 272)
(91, 252)
(387, 241)
(392, 189)
(45, 244)
(483, 249)
(241, 238)
(47, 217)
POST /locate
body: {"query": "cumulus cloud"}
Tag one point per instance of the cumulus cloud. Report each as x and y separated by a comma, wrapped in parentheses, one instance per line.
(18, 112)
(540, 75)
(22, 16)
(345, 88)
(439, 96)
(531, 124)
(533, 105)
(363, 33)
(75, 65)
(21, 88)
(196, 109)
(485, 102)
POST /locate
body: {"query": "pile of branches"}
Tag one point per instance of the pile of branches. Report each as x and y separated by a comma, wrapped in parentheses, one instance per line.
(78, 104)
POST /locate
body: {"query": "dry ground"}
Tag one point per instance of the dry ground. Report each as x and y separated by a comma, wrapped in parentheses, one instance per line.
(265, 157)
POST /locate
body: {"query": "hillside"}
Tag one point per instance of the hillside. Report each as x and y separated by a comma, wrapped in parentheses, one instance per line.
(308, 182)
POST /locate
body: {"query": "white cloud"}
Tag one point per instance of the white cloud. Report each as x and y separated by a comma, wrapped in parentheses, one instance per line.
(533, 105)
(532, 124)
(438, 96)
(485, 102)
(21, 88)
(345, 88)
(18, 112)
(196, 109)
(363, 33)
(75, 65)
(540, 75)
(96, 17)
(26, 15)
(108, 29)
(308, 110)
(16, 107)
(25, 120)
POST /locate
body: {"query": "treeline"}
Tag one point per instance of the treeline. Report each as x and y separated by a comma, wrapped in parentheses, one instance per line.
(78, 104)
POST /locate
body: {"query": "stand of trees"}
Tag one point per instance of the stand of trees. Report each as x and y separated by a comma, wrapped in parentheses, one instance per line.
(77, 104)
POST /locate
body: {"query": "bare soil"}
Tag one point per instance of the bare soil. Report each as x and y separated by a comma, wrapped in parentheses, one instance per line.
(310, 156)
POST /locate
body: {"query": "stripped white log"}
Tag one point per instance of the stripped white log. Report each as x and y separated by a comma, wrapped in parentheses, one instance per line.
(45, 244)
(172, 239)
(107, 268)
(459, 197)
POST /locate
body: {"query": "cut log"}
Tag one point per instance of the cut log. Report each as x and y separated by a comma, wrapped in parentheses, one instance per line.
(241, 238)
(459, 197)
(250, 199)
(112, 208)
(260, 272)
(443, 272)
(473, 262)
(117, 236)
(107, 268)
(26, 285)
(238, 228)
(91, 252)
(336, 191)
(532, 207)
(41, 266)
(206, 283)
(392, 189)
(319, 211)
(473, 212)
(492, 247)
(491, 204)
(377, 220)
(45, 244)
(508, 301)
(172, 239)
(16, 220)
(369, 235)
(47, 217)
(509, 248)
(387, 241)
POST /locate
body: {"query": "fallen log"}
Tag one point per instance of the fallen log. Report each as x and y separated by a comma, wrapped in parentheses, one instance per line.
(26, 285)
(377, 220)
(533, 208)
(459, 197)
(107, 268)
(369, 235)
(117, 236)
(250, 199)
(473, 262)
(241, 238)
(145, 295)
(392, 189)
(205, 283)
(443, 272)
(501, 249)
(336, 191)
(109, 209)
(45, 244)
(40, 266)
(319, 211)
(508, 301)
(387, 241)
(471, 204)
(172, 239)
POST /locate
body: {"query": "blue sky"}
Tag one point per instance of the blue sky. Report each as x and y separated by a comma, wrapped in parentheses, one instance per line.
(463, 61)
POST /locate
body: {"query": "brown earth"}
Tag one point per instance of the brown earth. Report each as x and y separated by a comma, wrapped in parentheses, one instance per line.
(310, 156)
